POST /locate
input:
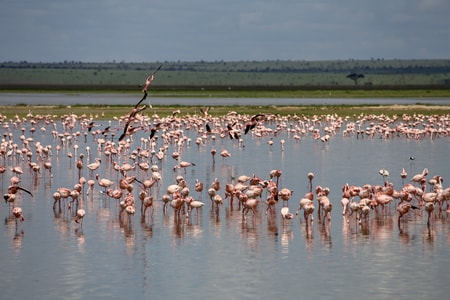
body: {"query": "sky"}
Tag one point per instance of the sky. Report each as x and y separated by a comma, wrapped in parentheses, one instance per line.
(222, 30)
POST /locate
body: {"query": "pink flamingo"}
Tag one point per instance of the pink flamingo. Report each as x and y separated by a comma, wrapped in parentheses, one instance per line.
(183, 165)
(80, 216)
(104, 182)
(285, 194)
(419, 177)
(94, 166)
(403, 175)
(310, 178)
(18, 214)
(285, 214)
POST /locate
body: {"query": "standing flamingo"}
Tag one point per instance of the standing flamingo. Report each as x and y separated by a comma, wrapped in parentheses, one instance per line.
(403, 175)
(419, 177)
(94, 166)
(285, 194)
(18, 214)
(384, 173)
(104, 182)
(80, 216)
(285, 214)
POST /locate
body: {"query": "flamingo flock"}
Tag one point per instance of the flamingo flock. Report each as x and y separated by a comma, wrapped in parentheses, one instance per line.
(129, 167)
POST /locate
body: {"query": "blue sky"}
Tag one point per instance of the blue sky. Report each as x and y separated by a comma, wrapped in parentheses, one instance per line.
(213, 30)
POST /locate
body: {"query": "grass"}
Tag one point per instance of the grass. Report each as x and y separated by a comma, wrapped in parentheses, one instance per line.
(107, 112)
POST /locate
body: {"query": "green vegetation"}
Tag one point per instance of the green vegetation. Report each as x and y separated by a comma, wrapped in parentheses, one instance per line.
(223, 76)
(107, 112)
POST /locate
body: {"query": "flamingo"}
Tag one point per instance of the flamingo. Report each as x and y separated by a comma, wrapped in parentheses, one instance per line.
(275, 174)
(48, 166)
(104, 182)
(90, 183)
(308, 210)
(384, 173)
(216, 184)
(403, 175)
(285, 194)
(183, 165)
(195, 204)
(285, 214)
(18, 214)
(198, 187)
(57, 198)
(10, 198)
(253, 122)
(310, 178)
(80, 216)
(147, 202)
(419, 177)
(402, 209)
(224, 153)
(149, 80)
(249, 204)
(213, 155)
(272, 200)
(218, 200)
(429, 208)
(344, 203)
(13, 189)
(18, 170)
(177, 203)
(94, 166)
(115, 194)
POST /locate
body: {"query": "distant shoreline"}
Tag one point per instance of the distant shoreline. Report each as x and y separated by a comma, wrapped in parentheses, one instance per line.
(254, 92)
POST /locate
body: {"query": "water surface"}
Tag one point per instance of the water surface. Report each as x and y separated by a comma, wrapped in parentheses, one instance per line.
(218, 253)
(124, 99)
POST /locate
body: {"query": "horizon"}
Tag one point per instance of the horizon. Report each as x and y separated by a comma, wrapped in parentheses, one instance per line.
(224, 61)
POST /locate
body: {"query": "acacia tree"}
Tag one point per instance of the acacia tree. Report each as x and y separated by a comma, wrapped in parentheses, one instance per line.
(355, 77)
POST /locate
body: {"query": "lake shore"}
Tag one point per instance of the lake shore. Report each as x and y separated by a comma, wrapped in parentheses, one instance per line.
(107, 112)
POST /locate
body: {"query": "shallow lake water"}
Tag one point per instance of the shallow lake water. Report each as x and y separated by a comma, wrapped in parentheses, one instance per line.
(124, 99)
(218, 254)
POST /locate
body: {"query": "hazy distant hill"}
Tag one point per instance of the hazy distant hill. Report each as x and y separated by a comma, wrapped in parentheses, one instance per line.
(222, 74)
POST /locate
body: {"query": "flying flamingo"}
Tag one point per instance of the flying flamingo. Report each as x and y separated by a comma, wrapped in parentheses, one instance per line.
(149, 80)
(253, 122)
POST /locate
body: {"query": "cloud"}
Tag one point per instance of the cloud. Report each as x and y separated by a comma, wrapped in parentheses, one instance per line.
(105, 30)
